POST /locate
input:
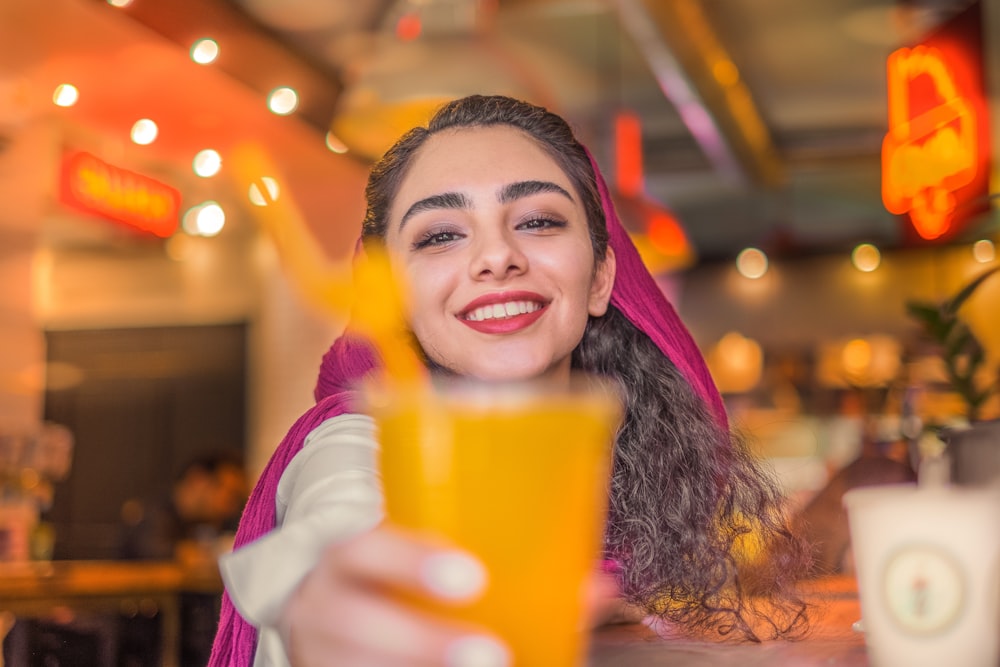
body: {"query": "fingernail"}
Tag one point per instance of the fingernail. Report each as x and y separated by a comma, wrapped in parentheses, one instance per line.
(477, 651)
(453, 576)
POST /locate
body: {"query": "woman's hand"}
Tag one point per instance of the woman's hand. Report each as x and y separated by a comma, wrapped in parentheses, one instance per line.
(345, 612)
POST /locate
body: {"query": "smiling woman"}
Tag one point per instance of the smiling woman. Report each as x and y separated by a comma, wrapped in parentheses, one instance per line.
(518, 268)
(490, 232)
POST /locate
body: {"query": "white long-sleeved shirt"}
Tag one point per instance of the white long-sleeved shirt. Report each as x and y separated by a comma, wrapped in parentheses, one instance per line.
(329, 492)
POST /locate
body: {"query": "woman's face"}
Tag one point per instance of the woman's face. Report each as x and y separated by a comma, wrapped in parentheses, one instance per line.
(493, 242)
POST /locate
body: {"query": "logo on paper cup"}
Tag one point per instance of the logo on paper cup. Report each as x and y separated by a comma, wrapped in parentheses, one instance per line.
(925, 589)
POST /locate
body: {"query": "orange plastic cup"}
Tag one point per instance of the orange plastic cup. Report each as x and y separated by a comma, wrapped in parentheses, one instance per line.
(518, 476)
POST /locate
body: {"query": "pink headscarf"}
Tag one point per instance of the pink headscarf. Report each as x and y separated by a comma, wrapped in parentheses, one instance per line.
(635, 294)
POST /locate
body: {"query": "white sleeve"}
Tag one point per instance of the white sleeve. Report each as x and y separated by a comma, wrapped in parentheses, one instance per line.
(330, 491)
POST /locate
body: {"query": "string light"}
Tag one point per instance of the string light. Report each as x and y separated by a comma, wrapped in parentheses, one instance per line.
(204, 51)
(751, 263)
(866, 257)
(207, 163)
(144, 132)
(283, 101)
(65, 95)
(984, 251)
(257, 197)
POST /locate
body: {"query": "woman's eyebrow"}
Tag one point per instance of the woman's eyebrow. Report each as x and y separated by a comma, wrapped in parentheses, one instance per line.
(514, 191)
(455, 200)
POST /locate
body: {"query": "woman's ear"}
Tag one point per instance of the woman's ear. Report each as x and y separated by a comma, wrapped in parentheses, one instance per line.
(604, 281)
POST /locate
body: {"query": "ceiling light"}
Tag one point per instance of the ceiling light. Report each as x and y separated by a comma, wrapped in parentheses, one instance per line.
(207, 163)
(119, 3)
(283, 101)
(65, 95)
(335, 144)
(866, 257)
(204, 51)
(258, 198)
(144, 132)
(984, 251)
(205, 219)
(751, 263)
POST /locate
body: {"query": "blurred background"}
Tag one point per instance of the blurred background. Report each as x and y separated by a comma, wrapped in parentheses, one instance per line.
(148, 311)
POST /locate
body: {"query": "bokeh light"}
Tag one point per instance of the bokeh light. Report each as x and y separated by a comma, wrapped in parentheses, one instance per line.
(205, 51)
(984, 251)
(751, 263)
(206, 219)
(65, 95)
(207, 163)
(335, 144)
(144, 132)
(257, 197)
(866, 257)
(283, 101)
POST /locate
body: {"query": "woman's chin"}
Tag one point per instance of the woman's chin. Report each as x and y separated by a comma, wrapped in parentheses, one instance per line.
(524, 373)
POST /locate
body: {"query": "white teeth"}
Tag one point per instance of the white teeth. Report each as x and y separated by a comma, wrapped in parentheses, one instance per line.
(500, 310)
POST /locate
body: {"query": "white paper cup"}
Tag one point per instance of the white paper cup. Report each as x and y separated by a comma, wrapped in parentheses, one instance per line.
(928, 568)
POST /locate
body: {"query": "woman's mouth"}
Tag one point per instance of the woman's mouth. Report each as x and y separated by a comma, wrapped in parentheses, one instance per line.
(503, 313)
(502, 310)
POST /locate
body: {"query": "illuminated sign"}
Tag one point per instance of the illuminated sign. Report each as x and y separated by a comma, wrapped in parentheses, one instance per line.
(93, 186)
(935, 156)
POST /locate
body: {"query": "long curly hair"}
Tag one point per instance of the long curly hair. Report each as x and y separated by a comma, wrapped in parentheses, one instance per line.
(695, 525)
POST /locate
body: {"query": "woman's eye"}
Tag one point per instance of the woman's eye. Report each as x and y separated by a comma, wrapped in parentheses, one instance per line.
(541, 223)
(436, 239)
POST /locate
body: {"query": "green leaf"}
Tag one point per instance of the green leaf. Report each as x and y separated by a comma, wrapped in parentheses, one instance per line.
(953, 304)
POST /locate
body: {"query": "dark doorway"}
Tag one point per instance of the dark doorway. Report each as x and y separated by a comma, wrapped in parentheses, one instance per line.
(147, 401)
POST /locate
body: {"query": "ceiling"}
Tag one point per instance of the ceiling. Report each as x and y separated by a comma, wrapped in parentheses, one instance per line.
(762, 120)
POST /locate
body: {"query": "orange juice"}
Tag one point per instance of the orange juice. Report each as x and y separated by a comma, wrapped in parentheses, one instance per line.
(521, 481)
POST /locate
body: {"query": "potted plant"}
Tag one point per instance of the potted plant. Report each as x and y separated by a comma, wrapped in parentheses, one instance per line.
(974, 449)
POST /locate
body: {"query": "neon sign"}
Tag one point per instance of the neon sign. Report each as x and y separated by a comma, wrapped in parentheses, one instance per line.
(935, 155)
(93, 186)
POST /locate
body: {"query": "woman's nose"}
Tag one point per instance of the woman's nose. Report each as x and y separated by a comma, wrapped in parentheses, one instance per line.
(498, 255)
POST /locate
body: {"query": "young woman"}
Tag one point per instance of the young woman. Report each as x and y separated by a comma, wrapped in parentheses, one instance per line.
(499, 218)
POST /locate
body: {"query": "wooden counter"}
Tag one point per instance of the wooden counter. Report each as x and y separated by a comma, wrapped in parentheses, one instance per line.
(53, 589)
(831, 642)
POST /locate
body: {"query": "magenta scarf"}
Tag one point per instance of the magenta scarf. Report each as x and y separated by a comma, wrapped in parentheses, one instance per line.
(635, 294)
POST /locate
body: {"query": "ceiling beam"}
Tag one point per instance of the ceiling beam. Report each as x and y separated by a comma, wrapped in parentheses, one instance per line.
(696, 74)
(248, 52)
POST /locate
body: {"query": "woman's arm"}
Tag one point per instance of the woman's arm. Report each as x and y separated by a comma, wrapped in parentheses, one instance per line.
(320, 586)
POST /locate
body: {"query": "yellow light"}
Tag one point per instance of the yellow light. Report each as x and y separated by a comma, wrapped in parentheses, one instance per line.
(204, 51)
(65, 95)
(283, 101)
(751, 263)
(866, 257)
(258, 198)
(857, 356)
(984, 251)
(736, 363)
(144, 132)
(207, 163)
(119, 3)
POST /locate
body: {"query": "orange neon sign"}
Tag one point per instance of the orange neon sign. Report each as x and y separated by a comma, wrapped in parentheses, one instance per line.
(93, 186)
(935, 154)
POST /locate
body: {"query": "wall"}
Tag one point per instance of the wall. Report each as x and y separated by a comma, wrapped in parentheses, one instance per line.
(24, 162)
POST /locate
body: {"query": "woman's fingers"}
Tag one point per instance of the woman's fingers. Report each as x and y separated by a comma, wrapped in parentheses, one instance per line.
(349, 610)
(367, 629)
(386, 558)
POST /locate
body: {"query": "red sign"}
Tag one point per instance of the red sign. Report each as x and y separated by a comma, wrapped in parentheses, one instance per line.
(93, 186)
(935, 156)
